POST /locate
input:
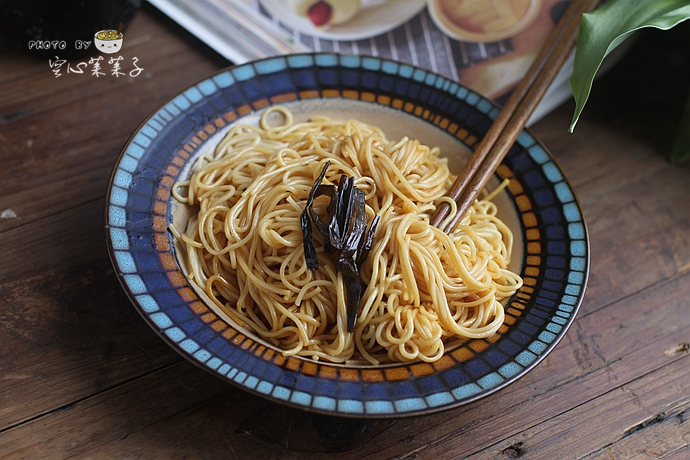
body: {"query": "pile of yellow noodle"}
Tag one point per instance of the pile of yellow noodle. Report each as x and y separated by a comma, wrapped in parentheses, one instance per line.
(422, 287)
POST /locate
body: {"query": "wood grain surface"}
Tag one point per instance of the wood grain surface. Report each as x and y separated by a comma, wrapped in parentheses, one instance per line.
(82, 375)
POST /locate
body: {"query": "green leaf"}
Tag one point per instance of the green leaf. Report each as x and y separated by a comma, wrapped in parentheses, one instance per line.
(609, 25)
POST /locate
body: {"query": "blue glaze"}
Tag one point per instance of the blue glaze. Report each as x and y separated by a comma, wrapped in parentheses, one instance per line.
(202, 355)
(207, 87)
(264, 387)
(350, 406)
(148, 304)
(525, 358)
(176, 334)
(189, 345)
(281, 393)
(324, 403)
(118, 237)
(122, 179)
(490, 380)
(537, 347)
(125, 262)
(243, 73)
(301, 398)
(509, 370)
(379, 407)
(223, 80)
(300, 61)
(410, 404)
(466, 391)
(440, 399)
(135, 284)
(214, 363)
(269, 66)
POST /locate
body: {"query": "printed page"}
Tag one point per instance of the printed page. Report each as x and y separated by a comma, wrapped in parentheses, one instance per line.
(487, 46)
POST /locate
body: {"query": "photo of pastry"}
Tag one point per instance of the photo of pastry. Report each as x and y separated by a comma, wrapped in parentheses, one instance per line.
(344, 19)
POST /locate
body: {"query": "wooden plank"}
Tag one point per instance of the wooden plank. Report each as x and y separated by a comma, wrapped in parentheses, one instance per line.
(68, 336)
(128, 419)
(72, 121)
(665, 435)
(17, 69)
(66, 323)
(653, 426)
(56, 244)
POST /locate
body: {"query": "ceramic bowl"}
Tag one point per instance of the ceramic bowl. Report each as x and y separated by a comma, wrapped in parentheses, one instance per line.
(551, 252)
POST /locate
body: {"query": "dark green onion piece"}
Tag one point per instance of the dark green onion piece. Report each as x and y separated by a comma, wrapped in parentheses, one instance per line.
(305, 223)
(320, 226)
(346, 232)
(353, 289)
(365, 244)
(308, 242)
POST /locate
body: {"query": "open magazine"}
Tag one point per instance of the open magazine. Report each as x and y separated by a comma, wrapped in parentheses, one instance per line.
(485, 45)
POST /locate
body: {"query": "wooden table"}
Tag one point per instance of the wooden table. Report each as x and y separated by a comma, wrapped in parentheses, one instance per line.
(82, 375)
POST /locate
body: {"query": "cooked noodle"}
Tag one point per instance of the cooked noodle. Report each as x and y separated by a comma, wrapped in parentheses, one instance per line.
(422, 287)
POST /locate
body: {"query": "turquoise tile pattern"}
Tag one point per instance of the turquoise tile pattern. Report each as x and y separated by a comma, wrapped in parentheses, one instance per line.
(555, 267)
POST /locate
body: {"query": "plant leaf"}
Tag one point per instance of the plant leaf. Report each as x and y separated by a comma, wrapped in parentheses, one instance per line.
(608, 26)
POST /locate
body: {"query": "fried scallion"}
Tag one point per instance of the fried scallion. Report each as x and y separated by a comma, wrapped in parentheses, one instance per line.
(345, 232)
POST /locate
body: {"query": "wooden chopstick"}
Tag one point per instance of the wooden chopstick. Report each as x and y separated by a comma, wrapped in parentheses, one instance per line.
(514, 115)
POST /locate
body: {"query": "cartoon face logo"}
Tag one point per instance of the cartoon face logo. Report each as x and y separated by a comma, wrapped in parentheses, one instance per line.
(108, 41)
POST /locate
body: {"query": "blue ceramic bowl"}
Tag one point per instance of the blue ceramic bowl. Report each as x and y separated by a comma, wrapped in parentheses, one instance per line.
(540, 206)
